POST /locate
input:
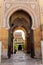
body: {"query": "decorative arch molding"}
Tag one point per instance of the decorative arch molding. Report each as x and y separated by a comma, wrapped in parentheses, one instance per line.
(26, 8)
(20, 28)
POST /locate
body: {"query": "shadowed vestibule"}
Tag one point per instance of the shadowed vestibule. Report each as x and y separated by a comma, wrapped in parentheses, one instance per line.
(21, 19)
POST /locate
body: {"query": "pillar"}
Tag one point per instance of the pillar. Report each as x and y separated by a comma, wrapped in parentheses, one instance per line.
(37, 43)
(28, 43)
(32, 43)
(9, 44)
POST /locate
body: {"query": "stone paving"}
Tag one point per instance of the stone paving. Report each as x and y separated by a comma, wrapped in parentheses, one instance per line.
(20, 59)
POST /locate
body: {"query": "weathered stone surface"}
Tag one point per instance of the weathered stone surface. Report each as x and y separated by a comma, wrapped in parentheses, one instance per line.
(4, 38)
(20, 1)
(37, 43)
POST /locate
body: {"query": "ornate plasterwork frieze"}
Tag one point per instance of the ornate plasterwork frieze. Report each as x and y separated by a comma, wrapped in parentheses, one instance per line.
(20, 1)
(31, 5)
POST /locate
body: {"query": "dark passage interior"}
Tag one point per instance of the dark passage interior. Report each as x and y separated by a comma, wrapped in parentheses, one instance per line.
(20, 19)
(19, 47)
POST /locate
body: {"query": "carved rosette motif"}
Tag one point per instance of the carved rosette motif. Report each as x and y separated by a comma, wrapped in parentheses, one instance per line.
(8, 4)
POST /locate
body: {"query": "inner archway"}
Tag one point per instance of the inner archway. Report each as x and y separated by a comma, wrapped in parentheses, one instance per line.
(21, 19)
(19, 40)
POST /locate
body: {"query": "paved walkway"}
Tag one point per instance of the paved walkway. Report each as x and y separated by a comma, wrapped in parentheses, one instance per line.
(20, 59)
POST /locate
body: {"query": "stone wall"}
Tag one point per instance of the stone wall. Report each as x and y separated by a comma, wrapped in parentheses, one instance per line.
(4, 38)
(0, 13)
(37, 42)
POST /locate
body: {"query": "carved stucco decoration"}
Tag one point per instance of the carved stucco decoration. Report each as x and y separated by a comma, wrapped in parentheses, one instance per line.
(30, 6)
(20, 1)
(41, 11)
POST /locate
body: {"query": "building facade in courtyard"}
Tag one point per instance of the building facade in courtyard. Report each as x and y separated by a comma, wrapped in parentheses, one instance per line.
(18, 37)
(26, 15)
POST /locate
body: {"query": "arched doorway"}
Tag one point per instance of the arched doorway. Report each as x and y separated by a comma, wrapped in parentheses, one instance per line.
(20, 19)
(19, 40)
